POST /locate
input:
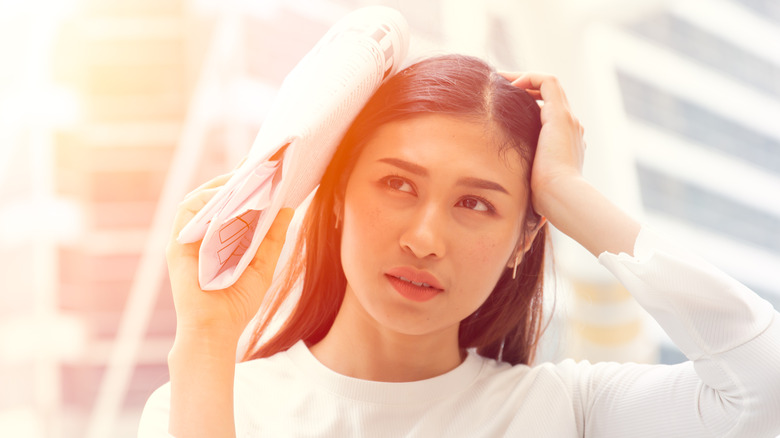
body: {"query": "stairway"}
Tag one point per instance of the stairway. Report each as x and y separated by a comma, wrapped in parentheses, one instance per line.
(128, 61)
(134, 64)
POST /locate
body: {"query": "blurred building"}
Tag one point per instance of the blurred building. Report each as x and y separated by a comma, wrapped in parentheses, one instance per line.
(129, 63)
(678, 101)
(702, 95)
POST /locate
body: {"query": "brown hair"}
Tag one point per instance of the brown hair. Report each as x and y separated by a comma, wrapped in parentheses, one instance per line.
(507, 326)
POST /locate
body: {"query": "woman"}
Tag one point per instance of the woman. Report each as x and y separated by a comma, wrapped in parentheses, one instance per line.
(422, 266)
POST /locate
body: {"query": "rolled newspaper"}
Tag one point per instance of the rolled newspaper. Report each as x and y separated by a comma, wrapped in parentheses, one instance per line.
(317, 102)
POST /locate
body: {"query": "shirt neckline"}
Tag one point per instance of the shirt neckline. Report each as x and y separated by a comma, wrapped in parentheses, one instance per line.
(420, 391)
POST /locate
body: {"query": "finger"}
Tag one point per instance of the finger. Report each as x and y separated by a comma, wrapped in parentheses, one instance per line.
(533, 80)
(212, 183)
(511, 76)
(536, 95)
(548, 86)
(264, 262)
(190, 206)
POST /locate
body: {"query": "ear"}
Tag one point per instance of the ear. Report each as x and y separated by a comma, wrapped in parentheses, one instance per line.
(525, 242)
(531, 234)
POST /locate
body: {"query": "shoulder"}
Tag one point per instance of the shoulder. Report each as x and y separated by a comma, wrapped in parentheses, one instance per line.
(568, 378)
(154, 417)
(268, 374)
(553, 379)
(259, 383)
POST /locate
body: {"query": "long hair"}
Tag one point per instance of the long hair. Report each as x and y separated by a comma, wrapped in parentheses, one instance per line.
(507, 326)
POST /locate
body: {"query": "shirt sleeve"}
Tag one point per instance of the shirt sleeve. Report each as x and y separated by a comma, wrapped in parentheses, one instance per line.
(154, 418)
(731, 385)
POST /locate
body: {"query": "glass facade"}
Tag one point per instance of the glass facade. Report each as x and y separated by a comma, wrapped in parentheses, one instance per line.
(701, 126)
(711, 50)
(698, 206)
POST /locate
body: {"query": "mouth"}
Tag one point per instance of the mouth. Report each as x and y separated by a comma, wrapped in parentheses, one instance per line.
(416, 277)
(420, 287)
(421, 284)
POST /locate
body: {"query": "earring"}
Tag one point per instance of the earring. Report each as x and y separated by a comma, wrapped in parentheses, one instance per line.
(514, 270)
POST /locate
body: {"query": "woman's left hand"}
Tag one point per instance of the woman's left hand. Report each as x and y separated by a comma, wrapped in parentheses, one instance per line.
(558, 190)
(561, 149)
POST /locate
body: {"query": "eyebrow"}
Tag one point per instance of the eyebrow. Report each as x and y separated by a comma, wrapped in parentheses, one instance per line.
(468, 181)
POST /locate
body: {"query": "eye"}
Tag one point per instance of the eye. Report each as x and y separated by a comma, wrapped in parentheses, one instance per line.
(398, 183)
(476, 204)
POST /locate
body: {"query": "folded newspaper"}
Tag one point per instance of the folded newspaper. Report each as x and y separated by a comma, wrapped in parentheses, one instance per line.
(317, 102)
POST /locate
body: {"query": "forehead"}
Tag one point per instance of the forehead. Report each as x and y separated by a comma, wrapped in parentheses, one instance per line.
(445, 140)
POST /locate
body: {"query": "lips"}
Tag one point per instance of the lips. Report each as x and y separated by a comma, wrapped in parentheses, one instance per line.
(413, 284)
(415, 277)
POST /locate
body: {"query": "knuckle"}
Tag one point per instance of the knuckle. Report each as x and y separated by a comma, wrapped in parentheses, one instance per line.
(183, 205)
(170, 249)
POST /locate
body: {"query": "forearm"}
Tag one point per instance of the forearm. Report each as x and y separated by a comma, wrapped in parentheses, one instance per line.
(730, 333)
(581, 212)
(202, 369)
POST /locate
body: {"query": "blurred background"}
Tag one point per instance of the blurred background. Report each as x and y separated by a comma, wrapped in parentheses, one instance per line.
(111, 110)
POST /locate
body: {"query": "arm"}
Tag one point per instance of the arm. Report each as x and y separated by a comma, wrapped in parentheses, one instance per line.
(729, 388)
(732, 387)
(202, 371)
(581, 212)
(558, 190)
(209, 324)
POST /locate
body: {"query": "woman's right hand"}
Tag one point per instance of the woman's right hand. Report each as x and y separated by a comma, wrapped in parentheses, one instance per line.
(222, 313)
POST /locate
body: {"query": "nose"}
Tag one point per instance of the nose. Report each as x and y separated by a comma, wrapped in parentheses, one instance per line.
(424, 234)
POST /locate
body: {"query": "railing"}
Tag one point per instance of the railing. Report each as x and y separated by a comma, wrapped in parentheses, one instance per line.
(149, 275)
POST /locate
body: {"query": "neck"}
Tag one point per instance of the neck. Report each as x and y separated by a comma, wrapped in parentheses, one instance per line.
(357, 346)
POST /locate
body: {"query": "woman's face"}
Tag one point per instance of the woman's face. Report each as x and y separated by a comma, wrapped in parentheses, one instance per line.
(432, 201)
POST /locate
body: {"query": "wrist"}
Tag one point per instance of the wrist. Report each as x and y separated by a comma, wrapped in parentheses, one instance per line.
(551, 199)
(579, 210)
(203, 345)
(213, 329)
(202, 369)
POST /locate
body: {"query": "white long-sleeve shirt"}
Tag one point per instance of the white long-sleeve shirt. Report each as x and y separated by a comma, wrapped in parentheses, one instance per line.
(729, 388)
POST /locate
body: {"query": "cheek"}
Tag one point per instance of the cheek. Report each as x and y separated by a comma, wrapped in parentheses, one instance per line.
(483, 261)
(363, 227)
(489, 252)
(362, 219)
(484, 253)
